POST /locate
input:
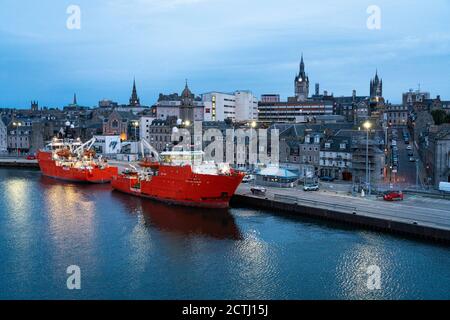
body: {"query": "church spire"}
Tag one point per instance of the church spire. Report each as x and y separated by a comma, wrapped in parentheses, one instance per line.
(302, 67)
(74, 99)
(134, 100)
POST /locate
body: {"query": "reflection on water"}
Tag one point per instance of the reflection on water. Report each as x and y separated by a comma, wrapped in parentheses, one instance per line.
(128, 247)
(219, 224)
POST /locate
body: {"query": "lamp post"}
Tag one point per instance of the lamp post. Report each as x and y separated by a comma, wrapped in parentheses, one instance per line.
(135, 125)
(367, 125)
(17, 125)
(252, 126)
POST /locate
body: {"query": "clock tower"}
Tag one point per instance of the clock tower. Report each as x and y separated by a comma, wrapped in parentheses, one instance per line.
(302, 83)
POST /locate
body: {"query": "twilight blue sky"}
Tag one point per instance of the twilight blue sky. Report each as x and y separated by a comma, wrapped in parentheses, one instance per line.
(219, 45)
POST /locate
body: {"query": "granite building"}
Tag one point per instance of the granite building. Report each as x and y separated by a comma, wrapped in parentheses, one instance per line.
(3, 136)
(185, 106)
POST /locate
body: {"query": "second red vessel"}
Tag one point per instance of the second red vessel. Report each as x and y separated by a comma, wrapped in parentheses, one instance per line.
(180, 180)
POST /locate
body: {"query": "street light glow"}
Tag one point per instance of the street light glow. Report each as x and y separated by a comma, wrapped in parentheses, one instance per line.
(367, 125)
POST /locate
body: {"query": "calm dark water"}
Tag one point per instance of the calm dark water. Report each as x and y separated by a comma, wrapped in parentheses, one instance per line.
(128, 248)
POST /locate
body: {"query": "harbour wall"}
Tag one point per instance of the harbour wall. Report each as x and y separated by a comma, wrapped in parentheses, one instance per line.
(350, 218)
(18, 163)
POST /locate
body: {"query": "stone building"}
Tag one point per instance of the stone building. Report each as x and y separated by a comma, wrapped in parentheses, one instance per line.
(300, 150)
(185, 106)
(3, 136)
(434, 150)
(119, 123)
(336, 158)
(397, 115)
(160, 135)
(19, 136)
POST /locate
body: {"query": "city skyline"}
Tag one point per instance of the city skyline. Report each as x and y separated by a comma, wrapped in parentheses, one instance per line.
(43, 60)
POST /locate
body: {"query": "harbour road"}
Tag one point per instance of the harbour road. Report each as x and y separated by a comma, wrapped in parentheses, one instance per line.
(414, 209)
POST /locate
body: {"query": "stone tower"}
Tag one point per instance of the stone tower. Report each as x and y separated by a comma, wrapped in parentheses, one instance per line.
(302, 83)
(376, 87)
(187, 105)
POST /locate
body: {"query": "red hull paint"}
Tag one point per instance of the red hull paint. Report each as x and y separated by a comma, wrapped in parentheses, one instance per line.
(96, 175)
(180, 186)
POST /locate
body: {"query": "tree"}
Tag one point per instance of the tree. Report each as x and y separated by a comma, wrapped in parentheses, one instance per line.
(440, 117)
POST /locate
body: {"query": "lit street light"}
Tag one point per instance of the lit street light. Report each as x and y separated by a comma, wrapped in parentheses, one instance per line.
(367, 125)
(135, 125)
(17, 125)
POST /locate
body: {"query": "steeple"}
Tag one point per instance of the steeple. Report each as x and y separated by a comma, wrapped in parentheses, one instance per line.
(302, 68)
(134, 100)
(74, 99)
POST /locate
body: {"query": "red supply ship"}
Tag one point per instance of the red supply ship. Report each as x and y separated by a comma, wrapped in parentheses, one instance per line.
(70, 160)
(181, 178)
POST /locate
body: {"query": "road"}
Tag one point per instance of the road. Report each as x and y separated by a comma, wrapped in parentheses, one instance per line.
(406, 175)
(414, 209)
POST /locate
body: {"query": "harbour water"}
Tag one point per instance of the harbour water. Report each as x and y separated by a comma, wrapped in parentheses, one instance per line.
(130, 248)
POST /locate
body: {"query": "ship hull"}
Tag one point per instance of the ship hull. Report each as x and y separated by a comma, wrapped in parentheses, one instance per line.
(180, 186)
(95, 175)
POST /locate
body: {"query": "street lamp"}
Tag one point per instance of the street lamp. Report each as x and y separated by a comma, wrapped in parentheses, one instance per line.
(367, 125)
(252, 126)
(17, 125)
(135, 125)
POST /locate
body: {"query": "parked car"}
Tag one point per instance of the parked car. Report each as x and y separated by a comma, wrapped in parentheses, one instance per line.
(327, 179)
(258, 190)
(31, 157)
(311, 187)
(412, 159)
(393, 196)
(410, 153)
(408, 147)
(248, 178)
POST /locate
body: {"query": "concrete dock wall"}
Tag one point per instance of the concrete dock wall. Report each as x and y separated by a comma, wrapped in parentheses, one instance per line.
(336, 215)
(18, 163)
